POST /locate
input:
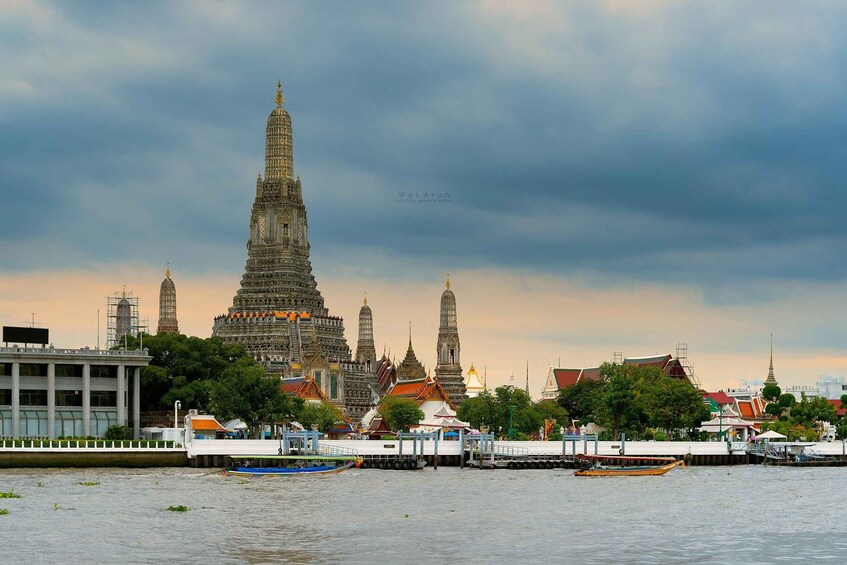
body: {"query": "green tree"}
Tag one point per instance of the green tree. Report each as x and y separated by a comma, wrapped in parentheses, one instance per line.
(580, 400)
(810, 411)
(322, 415)
(671, 404)
(771, 392)
(786, 400)
(400, 413)
(245, 392)
(550, 410)
(481, 411)
(183, 368)
(618, 402)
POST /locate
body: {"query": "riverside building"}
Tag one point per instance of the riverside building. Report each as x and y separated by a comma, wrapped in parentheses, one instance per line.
(48, 393)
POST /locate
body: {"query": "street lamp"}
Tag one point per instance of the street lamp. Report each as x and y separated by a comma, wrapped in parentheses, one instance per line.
(177, 406)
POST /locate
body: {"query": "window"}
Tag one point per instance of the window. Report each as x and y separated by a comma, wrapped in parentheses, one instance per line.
(68, 398)
(5, 423)
(33, 398)
(33, 423)
(102, 419)
(333, 386)
(68, 423)
(452, 357)
(5, 369)
(104, 371)
(33, 369)
(5, 397)
(104, 398)
(69, 370)
(318, 378)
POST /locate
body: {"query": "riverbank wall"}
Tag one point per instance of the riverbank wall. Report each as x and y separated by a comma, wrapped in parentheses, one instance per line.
(91, 458)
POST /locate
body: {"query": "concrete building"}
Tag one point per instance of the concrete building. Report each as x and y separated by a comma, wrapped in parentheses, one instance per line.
(48, 392)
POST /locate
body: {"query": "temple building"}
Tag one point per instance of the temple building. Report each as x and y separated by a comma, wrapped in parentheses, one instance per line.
(278, 314)
(167, 306)
(560, 378)
(365, 350)
(473, 385)
(448, 370)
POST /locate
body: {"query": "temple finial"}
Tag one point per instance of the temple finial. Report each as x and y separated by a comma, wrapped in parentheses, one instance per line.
(366, 298)
(448, 281)
(168, 270)
(279, 98)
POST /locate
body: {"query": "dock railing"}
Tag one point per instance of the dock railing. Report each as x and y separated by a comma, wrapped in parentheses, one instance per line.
(87, 444)
(337, 450)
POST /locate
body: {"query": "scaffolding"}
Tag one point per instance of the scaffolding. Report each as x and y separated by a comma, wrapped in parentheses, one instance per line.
(682, 357)
(122, 317)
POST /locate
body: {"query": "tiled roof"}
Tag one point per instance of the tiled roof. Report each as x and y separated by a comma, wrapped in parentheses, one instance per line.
(592, 374)
(408, 388)
(566, 377)
(746, 408)
(837, 405)
(206, 424)
(657, 360)
(720, 397)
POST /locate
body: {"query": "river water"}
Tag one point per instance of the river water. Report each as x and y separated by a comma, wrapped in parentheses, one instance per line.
(748, 514)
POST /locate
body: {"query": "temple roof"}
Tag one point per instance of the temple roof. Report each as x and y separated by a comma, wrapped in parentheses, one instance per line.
(421, 390)
(472, 383)
(302, 387)
(410, 368)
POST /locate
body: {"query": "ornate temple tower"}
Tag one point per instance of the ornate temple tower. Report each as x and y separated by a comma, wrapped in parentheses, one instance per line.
(771, 380)
(410, 369)
(278, 310)
(448, 370)
(167, 306)
(365, 349)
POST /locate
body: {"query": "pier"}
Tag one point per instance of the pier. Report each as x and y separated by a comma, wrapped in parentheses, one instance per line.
(407, 452)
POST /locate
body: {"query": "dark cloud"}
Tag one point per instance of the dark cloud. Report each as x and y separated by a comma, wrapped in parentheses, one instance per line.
(697, 145)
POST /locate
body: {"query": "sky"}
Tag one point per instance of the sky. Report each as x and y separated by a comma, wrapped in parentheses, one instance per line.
(596, 177)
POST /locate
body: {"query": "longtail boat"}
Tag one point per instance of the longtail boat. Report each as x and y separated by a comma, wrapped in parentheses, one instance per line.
(597, 466)
(278, 465)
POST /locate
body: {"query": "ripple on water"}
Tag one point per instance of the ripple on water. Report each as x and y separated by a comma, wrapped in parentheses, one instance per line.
(717, 514)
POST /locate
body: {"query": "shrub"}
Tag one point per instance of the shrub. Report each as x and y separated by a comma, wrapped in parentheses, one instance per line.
(661, 436)
(117, 432)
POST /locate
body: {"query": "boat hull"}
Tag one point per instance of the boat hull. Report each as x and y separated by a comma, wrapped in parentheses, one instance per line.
(292, 465)
(628, 471)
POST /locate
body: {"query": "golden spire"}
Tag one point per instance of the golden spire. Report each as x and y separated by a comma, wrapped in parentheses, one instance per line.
(279, 98)
(366, 298)
(448, 281)
(168, 270)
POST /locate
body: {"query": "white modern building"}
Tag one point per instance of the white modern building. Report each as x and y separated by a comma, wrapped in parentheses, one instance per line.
(47, 392)
(831, 387)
